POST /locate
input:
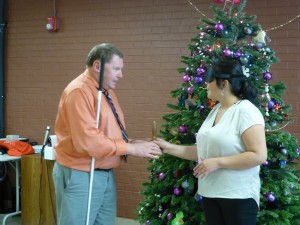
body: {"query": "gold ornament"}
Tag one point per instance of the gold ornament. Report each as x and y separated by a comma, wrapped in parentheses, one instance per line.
(260, 37)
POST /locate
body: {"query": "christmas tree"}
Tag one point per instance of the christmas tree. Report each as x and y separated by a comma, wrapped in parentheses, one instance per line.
(170, 196)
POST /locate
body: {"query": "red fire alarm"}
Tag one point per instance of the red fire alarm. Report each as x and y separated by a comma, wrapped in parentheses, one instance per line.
(51, 23)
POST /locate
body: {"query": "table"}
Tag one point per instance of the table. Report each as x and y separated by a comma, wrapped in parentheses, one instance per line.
(38, 194)
(11, 160)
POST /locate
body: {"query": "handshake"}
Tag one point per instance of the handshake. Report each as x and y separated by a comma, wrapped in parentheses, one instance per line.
(146, 148)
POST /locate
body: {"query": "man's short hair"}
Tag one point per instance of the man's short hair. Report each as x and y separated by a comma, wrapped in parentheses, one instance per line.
(106, 49)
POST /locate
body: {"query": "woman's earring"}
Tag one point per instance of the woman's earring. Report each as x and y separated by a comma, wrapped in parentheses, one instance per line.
(222, 92)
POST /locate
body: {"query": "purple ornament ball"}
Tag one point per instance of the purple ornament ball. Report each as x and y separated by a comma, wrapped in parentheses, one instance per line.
(147, 222)
(182, 129)
(270, 196)
(198, 198)
(190, 90)
(161, 176)
(219, 27)
(237, 54)
(169, 216)
(177, 191)
(186, 78)
(267, 76)
(227, 52)
(201, 108)
(271, 104)
(199, 80)
(200, 71)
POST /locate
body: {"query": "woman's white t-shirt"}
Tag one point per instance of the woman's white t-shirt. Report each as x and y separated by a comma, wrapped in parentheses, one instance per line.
(224, 139)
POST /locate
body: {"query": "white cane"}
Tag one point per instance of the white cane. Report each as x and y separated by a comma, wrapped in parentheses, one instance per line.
(97, 126)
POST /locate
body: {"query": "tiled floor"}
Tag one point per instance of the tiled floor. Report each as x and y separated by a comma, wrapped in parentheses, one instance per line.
(16, 220)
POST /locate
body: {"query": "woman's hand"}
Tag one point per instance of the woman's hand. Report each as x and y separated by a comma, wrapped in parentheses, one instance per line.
(181, 151)
(164, 145)
(205, 167)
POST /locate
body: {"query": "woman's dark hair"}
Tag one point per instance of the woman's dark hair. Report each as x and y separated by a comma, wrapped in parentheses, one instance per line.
(239, 82)
(106, 49)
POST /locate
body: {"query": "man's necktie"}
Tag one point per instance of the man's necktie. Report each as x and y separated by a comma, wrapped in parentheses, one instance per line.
(125, 137)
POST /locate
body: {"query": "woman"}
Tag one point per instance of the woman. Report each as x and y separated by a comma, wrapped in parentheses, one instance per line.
(231, 145)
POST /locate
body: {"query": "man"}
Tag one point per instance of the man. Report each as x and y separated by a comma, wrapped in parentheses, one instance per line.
(78, 140)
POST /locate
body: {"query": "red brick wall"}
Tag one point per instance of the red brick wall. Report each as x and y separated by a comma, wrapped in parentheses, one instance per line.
(152, 34)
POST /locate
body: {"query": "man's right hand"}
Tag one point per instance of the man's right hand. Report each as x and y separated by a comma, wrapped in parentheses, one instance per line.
(144, 149)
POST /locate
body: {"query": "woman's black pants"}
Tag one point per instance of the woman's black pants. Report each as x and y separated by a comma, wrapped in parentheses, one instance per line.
(223, 211)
